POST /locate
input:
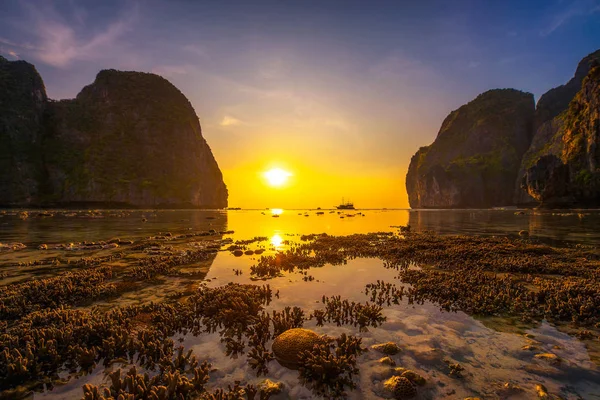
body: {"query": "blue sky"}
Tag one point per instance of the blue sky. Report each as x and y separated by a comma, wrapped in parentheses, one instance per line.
(364, 82)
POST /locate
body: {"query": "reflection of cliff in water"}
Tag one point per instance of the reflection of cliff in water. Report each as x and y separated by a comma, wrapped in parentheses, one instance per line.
(554, 228)
(481, 222)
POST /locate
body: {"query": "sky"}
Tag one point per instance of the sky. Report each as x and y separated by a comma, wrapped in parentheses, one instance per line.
(340, 94)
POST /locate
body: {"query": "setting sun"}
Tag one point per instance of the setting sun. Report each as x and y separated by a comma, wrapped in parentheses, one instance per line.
(277, 176)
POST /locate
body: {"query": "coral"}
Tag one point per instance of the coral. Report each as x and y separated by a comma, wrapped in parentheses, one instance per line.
(328, 369)
(288, 346)
(400, 387)
(414, 377)
(389, 348)
(258, 358)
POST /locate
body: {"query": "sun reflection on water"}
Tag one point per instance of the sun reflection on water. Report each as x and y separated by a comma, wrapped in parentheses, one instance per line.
(276, 211)
(276, 241)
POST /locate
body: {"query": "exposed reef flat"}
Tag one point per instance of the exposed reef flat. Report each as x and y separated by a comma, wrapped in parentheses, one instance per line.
(157, 317)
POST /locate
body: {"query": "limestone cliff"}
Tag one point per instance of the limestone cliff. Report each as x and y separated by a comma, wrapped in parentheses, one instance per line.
(128, 139)
(22, 105)
(547, 145)
(475, 158)
(555, 101)
(563, 168)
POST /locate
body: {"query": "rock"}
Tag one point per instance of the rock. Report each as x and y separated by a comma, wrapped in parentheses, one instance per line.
(387, 361)
(551, 358)
(541, 391)
(561, 166)
(555, 101)
(475, 158)
(414, 377)
(238, 253)
(530, 347)
(389, 348)
(398, 371)
(269, 387)
(290, 343)
(249, 252)
(127, 139)
(23, 103)
(523, 233)
(508, 389)
(400, 388)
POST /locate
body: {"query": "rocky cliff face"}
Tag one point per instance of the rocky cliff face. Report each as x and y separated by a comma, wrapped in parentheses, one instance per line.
(555, 101)
(547, 182)
(475, 158)
(563, 168)
(128, 139)
(22, 106)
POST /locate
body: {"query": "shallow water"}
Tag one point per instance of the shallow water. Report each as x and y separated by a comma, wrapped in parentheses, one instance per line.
(428, 336)
(64, 227)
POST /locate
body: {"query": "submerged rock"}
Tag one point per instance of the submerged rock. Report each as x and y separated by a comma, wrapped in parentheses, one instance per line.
(551, 358)
(414, 377)
(387, 361)
(289, 344)
(389, 348)
(269, 387)
(541, 391)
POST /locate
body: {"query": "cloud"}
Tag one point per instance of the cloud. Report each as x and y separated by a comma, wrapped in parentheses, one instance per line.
(58, 43)
(13, 54)
(230, 121)
(27, 46)
(171, 70)
(196, 49)
(576, 9)
(473, 64)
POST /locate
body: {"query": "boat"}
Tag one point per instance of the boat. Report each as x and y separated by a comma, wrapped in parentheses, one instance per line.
(346, 205)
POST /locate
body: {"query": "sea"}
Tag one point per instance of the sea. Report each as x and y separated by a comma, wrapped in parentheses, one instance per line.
(489, 349)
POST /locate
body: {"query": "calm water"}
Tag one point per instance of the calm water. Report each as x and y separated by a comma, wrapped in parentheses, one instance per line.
(552, 226)
(427, 335)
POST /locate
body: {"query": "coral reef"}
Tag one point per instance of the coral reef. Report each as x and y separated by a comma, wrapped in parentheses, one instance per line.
(288, 346)
(328, 369)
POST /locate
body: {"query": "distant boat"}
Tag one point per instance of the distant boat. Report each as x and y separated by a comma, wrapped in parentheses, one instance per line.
(346, 205)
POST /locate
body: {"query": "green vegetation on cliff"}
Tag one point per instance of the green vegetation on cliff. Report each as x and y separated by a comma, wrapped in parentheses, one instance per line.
(562, 165)
(129, 138)
(475, 157)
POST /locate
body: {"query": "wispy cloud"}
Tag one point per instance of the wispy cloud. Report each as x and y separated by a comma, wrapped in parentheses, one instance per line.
(230, 121)
(196, 49)
(170, 71)
(578, 8)
(57, 42)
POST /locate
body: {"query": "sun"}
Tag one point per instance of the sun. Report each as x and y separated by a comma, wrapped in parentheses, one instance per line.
(277, 176)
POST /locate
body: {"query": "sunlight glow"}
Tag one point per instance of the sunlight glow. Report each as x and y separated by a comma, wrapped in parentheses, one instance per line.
(277, 176)
(276, 211)
(276, 241)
